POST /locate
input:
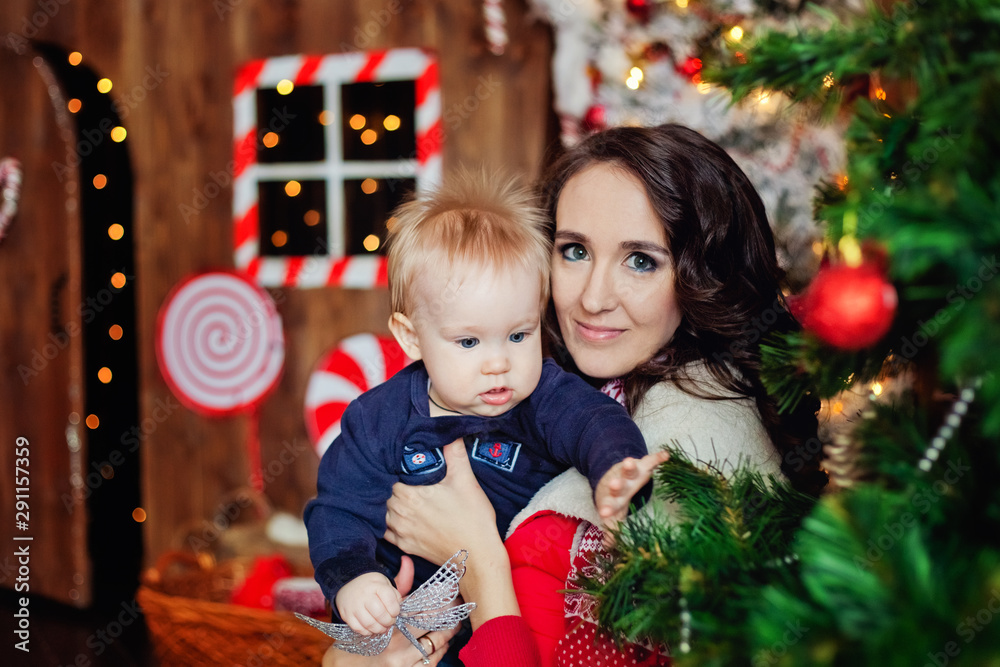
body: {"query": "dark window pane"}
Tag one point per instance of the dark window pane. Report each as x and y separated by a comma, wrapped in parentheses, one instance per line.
(289, 127)
(378, 120)
(367, 205)
(292, 225)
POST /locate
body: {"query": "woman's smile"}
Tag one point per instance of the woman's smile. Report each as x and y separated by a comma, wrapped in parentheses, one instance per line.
(597, 334)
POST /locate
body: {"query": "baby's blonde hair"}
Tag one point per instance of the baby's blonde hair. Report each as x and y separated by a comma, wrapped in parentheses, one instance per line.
(487, 219)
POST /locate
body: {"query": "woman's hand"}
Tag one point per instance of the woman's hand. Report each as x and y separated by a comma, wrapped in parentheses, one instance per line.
(400, 652)
(436, 521)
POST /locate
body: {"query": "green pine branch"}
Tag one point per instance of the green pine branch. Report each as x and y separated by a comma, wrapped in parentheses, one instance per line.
(726, 540)
(796, 364)
(923, 178)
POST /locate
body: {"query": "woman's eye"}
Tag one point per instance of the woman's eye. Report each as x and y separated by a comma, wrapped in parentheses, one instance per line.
(574, 252)
(640, 262)
(468, 342)
(517, 337)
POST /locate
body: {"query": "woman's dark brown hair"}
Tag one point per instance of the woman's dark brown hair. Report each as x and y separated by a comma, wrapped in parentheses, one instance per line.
(727, 278)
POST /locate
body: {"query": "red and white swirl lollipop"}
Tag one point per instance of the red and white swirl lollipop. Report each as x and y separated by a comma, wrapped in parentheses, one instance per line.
(354, 366)
(219, 343)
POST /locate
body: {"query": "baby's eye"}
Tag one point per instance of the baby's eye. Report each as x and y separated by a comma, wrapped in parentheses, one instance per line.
(517, 337)
(468, 343)
(574, 252)
(641, 262)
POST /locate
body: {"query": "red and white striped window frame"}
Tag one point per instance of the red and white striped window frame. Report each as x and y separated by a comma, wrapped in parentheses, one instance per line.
(358, 271)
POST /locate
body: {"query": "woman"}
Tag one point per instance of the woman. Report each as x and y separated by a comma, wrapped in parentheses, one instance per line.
(664, 273)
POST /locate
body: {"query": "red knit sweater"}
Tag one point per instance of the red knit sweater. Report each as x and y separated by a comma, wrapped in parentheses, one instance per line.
(543, 636)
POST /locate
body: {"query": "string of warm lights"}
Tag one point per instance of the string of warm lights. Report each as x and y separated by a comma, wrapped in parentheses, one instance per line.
(116, 232)
(368, 136)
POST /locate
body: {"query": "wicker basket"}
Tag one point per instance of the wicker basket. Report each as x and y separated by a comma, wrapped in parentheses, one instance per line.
(190, 624)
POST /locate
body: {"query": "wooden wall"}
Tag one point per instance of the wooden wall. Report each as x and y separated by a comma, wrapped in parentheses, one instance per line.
(172, 64)
(42, 443)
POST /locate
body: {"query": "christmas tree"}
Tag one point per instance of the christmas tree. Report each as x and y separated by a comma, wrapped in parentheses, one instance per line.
(898, 563)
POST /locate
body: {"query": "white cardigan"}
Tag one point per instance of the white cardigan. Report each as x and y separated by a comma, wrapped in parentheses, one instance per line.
(721, 433)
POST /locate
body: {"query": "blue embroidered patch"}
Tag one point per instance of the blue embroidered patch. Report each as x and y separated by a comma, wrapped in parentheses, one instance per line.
(421, 462)
(502, 455)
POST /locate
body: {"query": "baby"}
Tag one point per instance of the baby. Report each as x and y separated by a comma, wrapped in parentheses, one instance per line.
(469, 278)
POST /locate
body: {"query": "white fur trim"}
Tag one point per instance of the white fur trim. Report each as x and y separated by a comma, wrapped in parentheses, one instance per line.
(568, 494)
(723, 434)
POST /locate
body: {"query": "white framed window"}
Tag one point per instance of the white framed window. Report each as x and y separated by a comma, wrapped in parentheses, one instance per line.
(324, 148)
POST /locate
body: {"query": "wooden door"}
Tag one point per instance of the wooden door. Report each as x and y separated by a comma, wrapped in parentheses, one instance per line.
(42, 422)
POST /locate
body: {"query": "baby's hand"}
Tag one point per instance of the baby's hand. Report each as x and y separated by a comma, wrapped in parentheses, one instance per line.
(615, 490)
(369, 604)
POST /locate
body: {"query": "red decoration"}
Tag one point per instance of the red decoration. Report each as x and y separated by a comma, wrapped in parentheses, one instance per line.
(690, 68)
(302, 595)
(255, 591)
(593, 120)
(354, 366)
(640, 9)
(848, 307)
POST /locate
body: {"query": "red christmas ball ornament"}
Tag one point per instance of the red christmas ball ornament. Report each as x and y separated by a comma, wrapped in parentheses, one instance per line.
(593, 120)
(691, 67)
(848, 307)
(640, 9)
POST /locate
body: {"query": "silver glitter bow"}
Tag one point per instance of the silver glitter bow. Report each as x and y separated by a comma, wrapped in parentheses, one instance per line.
(428, 608)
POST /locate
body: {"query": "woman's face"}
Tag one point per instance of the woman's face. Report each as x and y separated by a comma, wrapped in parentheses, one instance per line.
(612, 280)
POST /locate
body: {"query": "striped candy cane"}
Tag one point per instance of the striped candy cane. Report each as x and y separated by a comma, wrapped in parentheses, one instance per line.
(361, 271)
(354, 366)
(10, 192)
(495, 20)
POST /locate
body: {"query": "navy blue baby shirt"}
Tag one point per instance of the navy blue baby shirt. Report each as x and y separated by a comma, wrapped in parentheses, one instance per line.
(388, 436)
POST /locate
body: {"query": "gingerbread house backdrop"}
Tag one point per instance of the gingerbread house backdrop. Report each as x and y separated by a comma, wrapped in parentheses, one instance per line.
(137, 128)
(195, 197)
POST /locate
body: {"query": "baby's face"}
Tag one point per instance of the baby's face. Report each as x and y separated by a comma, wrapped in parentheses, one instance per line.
(480, 337)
